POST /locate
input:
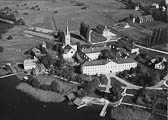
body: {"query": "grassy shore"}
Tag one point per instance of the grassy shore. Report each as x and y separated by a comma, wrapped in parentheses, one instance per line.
(41, 95)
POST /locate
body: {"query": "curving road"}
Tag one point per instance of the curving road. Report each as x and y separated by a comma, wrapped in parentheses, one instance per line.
(132, 86)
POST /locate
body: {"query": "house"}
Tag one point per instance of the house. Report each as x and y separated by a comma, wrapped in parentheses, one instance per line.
(137, 7)
(160, 66)
(36, 51)
(156, 5)
(29, 64)
(39, 69)
(69, 52)
(105, 32)
(108, 66)
(95, 37)
(160, 63)
(71, 96)
(94, 52)
(145, 18)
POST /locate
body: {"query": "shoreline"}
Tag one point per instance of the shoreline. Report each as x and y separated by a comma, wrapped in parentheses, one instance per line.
(40, 95)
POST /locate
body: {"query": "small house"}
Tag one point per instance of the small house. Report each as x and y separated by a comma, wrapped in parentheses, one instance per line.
(145, 18)
(29, 64)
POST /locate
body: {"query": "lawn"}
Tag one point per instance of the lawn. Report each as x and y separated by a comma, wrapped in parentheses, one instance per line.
(98, 12)
(41, 95)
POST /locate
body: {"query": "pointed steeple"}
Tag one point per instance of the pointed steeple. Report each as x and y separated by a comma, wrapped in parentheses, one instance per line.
(67, 35)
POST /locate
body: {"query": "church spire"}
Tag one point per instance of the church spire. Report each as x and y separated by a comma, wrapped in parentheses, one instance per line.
(67, 36)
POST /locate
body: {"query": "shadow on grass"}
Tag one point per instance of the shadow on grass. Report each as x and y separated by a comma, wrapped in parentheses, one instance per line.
(78, 37)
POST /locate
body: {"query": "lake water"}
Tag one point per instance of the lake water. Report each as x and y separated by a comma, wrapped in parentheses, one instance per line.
(15, 105)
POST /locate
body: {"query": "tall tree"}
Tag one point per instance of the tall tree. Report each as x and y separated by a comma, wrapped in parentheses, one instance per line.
(84, 30)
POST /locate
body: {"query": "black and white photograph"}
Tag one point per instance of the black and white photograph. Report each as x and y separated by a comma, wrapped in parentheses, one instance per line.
(83, 59)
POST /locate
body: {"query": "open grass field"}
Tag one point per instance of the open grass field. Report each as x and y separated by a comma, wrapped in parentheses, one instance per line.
(92, 12)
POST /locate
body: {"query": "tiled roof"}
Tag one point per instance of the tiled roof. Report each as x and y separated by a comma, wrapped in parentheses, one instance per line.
(123, 60)
(66, 49)
(146, 17)
(96, 62)
(94, 50)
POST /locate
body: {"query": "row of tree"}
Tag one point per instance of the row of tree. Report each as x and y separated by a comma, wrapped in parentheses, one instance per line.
(84, 30)
(4, 28)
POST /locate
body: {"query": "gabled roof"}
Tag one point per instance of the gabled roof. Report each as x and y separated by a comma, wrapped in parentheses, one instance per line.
(94, 50)
(67, 48)
(146, 17)
(96, 37)
(99, 29)
(123, 60)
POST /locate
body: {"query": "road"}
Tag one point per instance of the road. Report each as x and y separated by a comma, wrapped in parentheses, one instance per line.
(164, 52)
(132, 86)
(129, 85)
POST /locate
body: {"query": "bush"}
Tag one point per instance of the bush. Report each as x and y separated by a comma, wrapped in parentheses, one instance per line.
(21, 21)
(55, 86)
(1, 48)
(45, 87)
(79, 4)
(33, 82)
(9, 37)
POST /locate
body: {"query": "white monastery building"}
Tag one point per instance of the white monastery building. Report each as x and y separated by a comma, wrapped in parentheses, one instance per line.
(108, 66)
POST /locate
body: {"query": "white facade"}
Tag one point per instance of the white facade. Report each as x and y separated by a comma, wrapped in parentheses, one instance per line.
(160, 66)
(110, 67)
(68, 56)
(29, 64)
(135, 50)
(109, 35)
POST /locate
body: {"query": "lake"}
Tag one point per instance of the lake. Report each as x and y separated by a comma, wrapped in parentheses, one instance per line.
(15, 105)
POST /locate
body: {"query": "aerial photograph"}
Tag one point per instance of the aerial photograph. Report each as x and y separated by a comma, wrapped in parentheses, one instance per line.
(83, 59)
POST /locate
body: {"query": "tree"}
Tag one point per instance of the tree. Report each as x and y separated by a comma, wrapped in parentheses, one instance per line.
(1, 48)
(35, 82)
(92, 85)
(84, 30)
(55, 86)
(105, 54)
(61, 36)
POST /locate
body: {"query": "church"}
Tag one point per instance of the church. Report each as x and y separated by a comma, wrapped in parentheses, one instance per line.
(69, 49)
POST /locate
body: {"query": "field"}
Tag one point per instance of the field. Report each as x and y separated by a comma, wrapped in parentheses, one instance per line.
(92, 12)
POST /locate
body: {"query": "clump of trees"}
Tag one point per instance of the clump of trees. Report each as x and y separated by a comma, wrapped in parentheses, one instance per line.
(1, 48)
(105, 54)
(142, 97)
(84, 30)
(53, 86)
(139, 77)
(7, 16)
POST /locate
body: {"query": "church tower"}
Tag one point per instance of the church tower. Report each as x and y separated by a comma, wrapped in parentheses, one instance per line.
(67, 36)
